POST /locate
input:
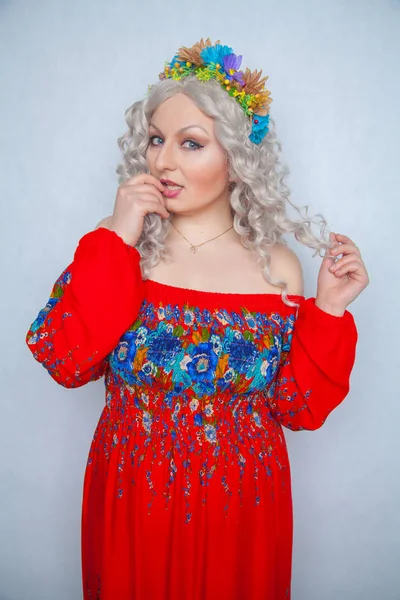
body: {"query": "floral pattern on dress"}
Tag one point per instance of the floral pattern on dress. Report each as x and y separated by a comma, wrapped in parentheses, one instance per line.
(40, 339)
(192, 383)
(56, 293)
(187, 348)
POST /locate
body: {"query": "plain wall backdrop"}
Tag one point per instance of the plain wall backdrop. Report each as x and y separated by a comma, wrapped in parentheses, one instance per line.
(69, 69)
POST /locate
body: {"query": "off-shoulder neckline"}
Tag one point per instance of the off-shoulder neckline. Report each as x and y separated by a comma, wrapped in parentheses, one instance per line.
(206, 299)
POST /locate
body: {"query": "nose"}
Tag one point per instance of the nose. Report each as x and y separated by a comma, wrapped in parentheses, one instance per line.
(165, 158)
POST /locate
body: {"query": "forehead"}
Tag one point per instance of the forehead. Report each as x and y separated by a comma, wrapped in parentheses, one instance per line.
(180, 111)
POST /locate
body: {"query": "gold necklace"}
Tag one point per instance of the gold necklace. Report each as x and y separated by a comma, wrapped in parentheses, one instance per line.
(194, 248)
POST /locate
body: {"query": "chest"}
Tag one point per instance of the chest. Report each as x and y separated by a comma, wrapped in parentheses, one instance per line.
(233, 270)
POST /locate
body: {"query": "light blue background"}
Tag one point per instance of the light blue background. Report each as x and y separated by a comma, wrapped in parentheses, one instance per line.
(68, 71)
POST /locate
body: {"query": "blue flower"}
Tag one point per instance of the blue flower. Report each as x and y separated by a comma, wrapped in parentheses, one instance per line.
(180, 376)
(203, 363)
(204, 388)
(198, 419)
(242, 355)
(147, 370)
(259, 129)
(210, 433)
(287, 332)
(215, 54)
(147, 421)
(168, 399)
(188, 317)
(141, 336)
(165, 347)
(43, 314)
(122, 357)
(257, 419)
(208, 410)
(175, 60)
(125, 352)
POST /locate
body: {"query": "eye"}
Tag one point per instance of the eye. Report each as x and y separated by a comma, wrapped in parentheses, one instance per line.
(156, 140)
(153, 138)
(193, 145)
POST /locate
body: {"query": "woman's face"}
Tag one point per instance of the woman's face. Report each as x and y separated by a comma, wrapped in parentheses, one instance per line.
(183, 149)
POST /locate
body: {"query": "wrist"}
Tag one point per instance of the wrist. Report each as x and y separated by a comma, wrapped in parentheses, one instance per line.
(124, 237)
(329, 308)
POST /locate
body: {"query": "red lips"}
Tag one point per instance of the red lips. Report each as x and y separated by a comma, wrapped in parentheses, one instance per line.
(169, 182)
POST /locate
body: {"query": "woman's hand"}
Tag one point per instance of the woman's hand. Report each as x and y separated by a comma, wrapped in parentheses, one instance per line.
(340, 282)
(135, 198)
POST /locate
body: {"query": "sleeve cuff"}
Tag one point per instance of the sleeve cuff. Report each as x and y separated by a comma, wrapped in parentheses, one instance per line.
(107, 236)
(309, 309)
(330, 341)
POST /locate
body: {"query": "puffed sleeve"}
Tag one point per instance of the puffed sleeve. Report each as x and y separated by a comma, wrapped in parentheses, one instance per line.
(317, 358)
(92, 303)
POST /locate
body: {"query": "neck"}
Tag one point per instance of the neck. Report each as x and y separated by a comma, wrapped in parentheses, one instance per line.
(200, 227)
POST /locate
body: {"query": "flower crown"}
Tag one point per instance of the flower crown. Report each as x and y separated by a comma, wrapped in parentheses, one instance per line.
(207, 61)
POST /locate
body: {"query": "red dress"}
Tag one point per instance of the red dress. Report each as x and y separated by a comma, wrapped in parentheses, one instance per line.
(187, 492)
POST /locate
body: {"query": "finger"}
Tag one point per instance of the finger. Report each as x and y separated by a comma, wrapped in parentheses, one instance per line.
(332, 242)
(146, 188)
(344, 239)
(344, 261)
(146, 178)
(152, 206)
(157, 194)
(351, 267)
(150, 196)
(345, 249)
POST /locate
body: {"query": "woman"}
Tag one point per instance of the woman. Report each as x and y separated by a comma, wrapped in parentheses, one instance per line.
(188, 300)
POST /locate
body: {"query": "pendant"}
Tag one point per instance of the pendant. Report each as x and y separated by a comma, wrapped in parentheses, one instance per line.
(193, 249)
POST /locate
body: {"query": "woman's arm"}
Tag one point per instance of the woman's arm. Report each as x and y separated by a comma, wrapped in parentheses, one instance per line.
(317, 357)
(316, 362)
(92, 303)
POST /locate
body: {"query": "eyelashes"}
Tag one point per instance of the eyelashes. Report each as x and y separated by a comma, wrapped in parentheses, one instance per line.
(195, 145)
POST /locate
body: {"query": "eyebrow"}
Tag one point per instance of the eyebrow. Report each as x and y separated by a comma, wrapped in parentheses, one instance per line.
(183, 128)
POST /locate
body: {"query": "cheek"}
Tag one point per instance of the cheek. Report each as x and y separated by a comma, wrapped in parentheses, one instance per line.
(211, 171)
(149, 158)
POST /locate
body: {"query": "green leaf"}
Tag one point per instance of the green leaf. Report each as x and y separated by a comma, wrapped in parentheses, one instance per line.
(58, 292)
(178, 331)
(248, 336)
(135, 325)
(205, 334)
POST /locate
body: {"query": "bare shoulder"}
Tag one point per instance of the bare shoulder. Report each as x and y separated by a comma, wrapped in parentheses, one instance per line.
(104, 222)
(285, 264)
